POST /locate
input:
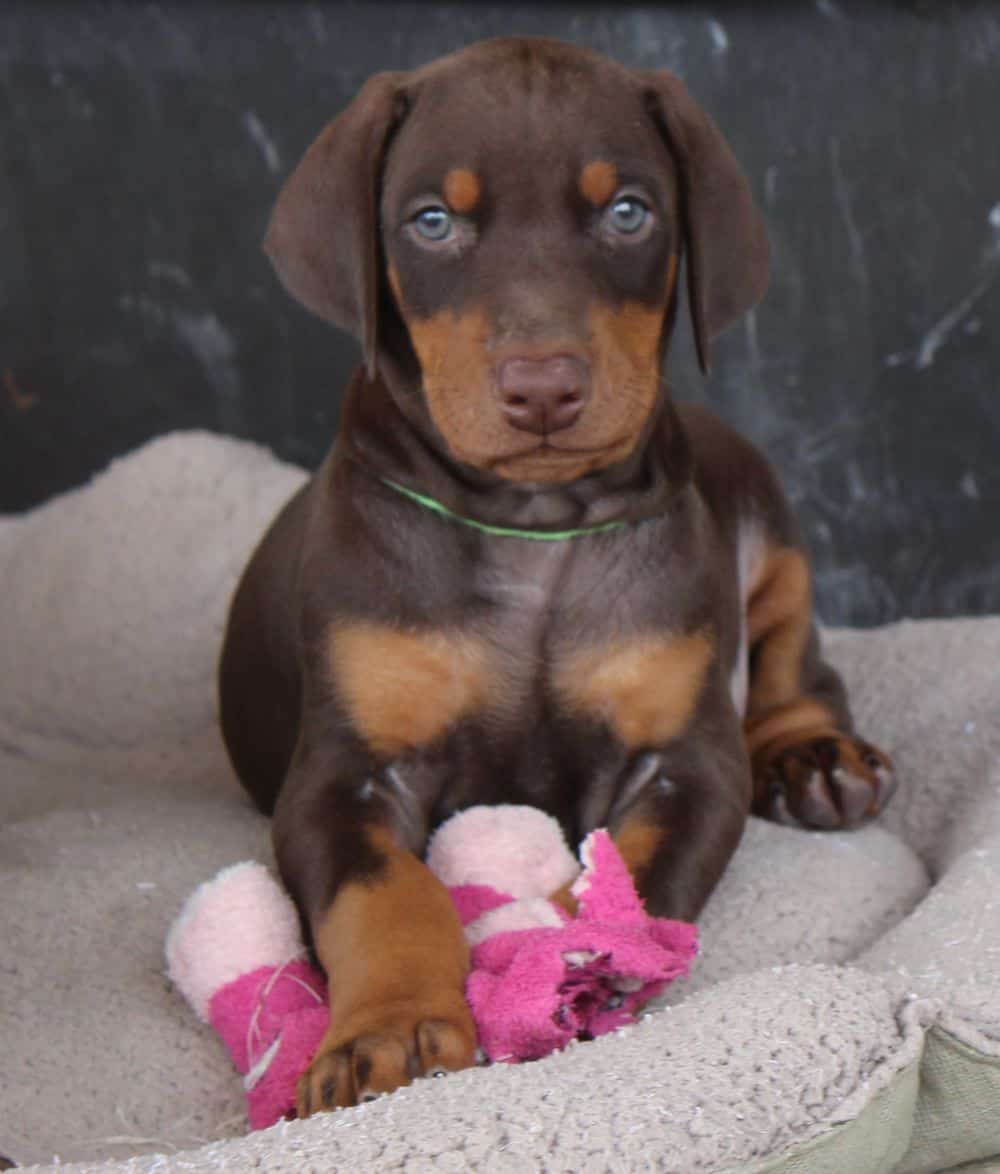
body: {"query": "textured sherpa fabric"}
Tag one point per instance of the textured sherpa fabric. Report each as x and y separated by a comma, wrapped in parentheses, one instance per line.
(844, 1014)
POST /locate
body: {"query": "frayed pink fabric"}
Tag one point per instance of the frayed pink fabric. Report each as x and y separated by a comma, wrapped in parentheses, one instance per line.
(532, 991)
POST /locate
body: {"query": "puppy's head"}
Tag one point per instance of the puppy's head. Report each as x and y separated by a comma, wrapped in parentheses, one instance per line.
(502, 231)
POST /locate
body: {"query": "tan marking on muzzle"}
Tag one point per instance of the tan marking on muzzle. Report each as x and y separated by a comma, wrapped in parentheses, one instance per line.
(394, 285)
(458, 383)
(671, 274)
(622, 347)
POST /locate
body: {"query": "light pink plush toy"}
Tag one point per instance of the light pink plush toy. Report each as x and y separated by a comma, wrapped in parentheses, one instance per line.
(539, 978)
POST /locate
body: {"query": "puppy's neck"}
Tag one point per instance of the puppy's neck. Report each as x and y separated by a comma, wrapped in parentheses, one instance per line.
(397, 443)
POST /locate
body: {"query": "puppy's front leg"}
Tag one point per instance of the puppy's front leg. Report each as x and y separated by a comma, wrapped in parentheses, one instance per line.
(680, 815)
(386, 933)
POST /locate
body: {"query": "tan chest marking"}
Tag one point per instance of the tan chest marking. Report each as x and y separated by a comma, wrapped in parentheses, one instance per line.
(404, 689)
(645, 688)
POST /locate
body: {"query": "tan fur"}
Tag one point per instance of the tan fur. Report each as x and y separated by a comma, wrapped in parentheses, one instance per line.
(598, 182)
(395, 937)
(623, 348)
(778, 618)
(397, 954)
(638, 842)
(462, 190)
(563, 896)
(458, 381)
(797, 722)
(397, 290)
(404, 689)
(645, 688)
(671, 274)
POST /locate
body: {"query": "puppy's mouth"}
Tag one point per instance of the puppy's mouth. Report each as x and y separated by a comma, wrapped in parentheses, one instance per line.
(549, 461)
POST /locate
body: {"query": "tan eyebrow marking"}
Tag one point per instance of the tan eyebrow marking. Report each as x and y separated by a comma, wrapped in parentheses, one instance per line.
(598, 181)
(462, 190)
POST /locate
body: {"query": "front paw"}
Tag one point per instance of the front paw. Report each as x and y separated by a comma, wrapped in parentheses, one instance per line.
(376, 1050)
(827, 782)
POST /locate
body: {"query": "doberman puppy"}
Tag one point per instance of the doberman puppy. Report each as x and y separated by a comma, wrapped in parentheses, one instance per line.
(522, 574)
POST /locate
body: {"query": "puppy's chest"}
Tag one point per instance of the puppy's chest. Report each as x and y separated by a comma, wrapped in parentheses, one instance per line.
(538, 635)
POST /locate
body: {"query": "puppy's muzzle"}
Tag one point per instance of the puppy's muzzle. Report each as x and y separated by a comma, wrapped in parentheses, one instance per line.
(543, 395)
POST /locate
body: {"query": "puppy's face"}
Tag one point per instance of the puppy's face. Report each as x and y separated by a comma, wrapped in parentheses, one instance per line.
(528, 225)
(502, 229)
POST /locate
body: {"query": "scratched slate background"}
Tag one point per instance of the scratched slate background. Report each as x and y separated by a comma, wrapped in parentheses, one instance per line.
(141, 146)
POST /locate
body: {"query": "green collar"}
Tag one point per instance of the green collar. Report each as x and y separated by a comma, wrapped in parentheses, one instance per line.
(436, 507)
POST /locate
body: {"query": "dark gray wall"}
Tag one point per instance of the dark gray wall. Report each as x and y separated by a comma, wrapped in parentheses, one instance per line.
(141, 146)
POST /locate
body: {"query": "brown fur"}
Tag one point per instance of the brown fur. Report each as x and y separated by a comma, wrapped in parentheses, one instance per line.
(385, 666)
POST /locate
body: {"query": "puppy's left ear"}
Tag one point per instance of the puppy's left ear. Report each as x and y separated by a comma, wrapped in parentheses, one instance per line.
(724, 234)
(323, 234)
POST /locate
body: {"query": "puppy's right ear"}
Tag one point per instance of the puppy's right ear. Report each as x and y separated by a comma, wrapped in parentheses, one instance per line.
(323, 234)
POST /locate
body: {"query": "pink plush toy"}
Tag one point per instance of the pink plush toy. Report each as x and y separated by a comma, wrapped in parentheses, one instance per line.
(539, 977)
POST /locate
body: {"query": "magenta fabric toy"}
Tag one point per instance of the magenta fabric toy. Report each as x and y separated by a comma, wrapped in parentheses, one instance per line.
(539, 977)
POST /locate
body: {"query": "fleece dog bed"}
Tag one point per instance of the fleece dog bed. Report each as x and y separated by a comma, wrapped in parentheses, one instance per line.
(844, 1014)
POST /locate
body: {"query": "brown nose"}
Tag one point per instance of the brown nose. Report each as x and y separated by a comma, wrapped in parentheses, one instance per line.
(543, 395)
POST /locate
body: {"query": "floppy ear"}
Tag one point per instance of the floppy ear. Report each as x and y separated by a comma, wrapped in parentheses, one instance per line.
(323, 234)
(724, 234)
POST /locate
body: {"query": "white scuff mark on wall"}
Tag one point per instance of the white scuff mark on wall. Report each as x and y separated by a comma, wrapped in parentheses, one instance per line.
(720, 38)
(212, 344)
(994, 217)
(169, 271)
(858, 265)
(923, 355)
(753, 344)
(771, 183)
(829, 9)
(938, 334)
(207, 339)
(969, 486)
(318, 25)
(855, 481)
(268, 148)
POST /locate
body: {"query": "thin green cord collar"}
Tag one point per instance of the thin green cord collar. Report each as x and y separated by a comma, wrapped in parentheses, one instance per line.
(436, 507)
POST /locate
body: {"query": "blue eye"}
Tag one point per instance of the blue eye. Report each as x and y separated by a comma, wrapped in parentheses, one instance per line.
(434, 223)
(627, 215)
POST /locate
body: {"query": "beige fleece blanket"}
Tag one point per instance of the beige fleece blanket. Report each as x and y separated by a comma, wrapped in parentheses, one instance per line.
(844, 1014)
